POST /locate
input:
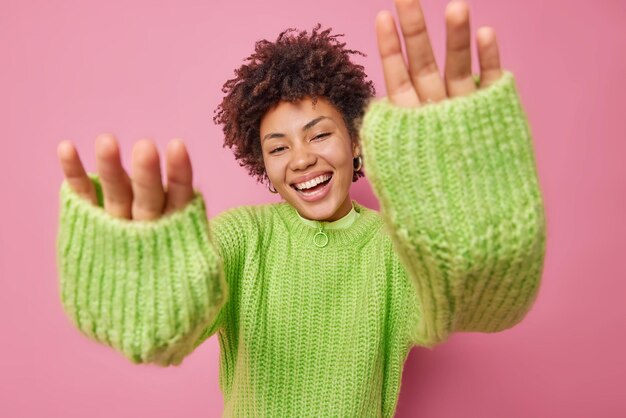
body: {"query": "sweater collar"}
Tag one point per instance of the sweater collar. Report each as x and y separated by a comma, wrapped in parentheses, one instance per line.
(344, 222)
(319, 236)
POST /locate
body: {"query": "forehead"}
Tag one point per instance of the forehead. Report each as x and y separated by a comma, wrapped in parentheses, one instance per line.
(287, 115)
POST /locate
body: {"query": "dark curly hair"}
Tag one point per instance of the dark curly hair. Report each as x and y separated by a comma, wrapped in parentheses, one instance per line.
(289, 69)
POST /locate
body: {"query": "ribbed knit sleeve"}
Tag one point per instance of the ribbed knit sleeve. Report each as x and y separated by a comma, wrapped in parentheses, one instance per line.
(233, 231)
(459, 193)
(145, 288)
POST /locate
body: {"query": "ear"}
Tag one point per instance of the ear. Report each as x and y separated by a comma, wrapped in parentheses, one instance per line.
(356, 147)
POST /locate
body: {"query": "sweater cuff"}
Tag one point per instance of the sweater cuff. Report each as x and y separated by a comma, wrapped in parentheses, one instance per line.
(468, 157)
(146, 288)
(458, 188)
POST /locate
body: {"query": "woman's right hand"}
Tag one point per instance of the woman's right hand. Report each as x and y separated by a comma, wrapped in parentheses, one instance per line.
(141, 197)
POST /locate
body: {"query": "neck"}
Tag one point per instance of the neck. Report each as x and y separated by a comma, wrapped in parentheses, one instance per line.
(343, 210)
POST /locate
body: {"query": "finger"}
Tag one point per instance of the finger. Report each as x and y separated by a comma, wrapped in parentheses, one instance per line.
(489, 56)
(179, 177)
(423, 68)
(118, 194)
(400, 90)
(458, 73)
(74, 172)
(149, 197)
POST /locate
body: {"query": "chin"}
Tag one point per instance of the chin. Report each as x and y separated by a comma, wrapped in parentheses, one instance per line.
(317, 215)
(319, 211)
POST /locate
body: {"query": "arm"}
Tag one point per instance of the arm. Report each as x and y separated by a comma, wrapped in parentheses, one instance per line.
(458, 190)
(148, 289)
(451, 161)
(234, 232)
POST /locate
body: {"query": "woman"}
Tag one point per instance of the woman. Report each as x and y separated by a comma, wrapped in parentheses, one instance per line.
(317, 300)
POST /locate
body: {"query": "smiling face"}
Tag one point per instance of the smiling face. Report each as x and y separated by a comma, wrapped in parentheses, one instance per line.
(308, 156)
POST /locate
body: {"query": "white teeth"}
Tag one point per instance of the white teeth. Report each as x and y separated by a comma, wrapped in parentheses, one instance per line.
(313, 182)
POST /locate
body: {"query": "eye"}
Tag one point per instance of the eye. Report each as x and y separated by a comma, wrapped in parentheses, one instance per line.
(275, 150)
(322, 135)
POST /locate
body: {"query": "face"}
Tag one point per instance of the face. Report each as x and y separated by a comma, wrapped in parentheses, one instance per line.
(308, 155)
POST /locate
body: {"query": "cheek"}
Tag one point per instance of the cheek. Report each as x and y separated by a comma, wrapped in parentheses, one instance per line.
(269, 171)
(274, 167)
(340, 158)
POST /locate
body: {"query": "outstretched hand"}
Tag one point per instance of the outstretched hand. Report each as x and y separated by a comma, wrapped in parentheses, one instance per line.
(141, 197)
(422, 83)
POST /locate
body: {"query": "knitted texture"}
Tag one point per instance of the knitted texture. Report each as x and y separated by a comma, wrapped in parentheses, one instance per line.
(147, 289)
(325, 331)
(458, 189)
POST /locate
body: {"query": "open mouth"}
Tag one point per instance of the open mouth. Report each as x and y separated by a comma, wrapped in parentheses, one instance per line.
(315, 189)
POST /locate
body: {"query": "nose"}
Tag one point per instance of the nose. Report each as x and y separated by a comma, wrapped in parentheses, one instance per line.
(302, 158)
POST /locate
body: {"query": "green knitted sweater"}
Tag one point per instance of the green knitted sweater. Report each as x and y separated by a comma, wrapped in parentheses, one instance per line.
(308, 330)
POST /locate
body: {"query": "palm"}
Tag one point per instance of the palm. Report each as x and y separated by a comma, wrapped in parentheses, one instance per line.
(421, 82)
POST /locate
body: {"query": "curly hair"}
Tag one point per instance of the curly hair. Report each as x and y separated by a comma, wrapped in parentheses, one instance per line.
(289, 69)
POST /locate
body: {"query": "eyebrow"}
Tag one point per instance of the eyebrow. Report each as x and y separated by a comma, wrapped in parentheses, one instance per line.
(306, 127)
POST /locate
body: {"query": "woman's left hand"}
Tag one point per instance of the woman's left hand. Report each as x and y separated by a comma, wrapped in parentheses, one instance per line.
(421, 83)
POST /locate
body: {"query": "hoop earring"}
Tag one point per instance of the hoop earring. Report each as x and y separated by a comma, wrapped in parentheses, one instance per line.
(270, 187)
(357, 163)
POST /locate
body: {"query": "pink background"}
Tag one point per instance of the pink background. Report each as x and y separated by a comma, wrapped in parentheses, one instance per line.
(72, 70)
